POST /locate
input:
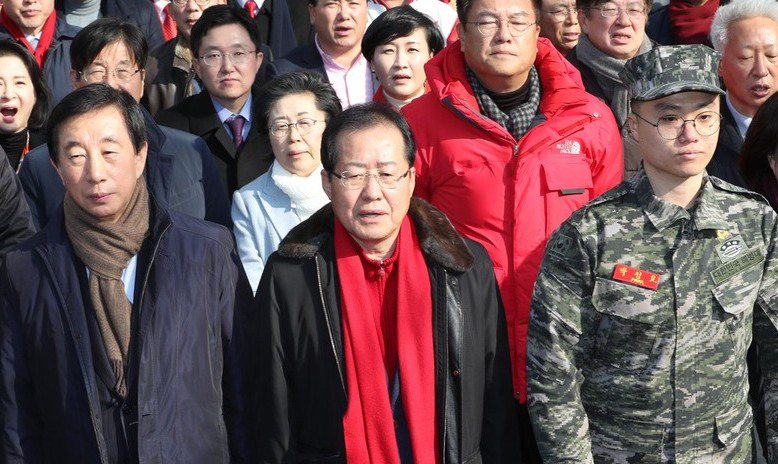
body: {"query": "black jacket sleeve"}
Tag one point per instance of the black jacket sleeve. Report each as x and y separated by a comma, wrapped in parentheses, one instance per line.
(15, 221)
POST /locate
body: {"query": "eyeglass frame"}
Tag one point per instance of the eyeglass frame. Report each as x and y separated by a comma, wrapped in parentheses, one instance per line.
(82, 75)
(200, 3)
(619, 12)
(683, 124)
(295, 124)
(566, 12)
(229, 55)
(367, 176)
(499, 22)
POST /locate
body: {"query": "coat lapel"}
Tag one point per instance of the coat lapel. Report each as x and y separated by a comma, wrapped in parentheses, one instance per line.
(205, 123)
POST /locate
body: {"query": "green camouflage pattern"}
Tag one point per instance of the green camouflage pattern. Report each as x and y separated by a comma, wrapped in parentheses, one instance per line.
(620, 373)
(667, 70)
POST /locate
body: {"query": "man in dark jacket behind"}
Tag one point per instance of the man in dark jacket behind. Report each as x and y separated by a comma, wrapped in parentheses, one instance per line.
(409, 361)
(15, 222)
(141, 13)
(120, 322)
(46, 36)
(180, 171)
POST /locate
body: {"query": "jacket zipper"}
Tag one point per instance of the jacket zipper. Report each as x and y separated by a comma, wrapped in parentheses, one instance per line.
(329, 326)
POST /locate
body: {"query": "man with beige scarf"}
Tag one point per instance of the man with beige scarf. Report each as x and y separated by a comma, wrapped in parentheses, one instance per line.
(120, 322)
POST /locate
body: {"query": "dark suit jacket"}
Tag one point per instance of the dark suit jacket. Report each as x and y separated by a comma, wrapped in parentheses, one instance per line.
(303, 58)
(197, 116)
(138, 12)
(275, 27)
(15, 222)
(179, 171)
(725, 163)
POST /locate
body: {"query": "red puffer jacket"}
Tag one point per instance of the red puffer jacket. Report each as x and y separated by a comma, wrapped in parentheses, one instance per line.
(510, 195)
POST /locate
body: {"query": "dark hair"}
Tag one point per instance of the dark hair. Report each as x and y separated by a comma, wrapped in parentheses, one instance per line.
(92, 39)
(400, 22)
(359, 118)
(299, 82)
(222, 15)
(42, 94)
(760, 144)
(463, 7)
(586, 4)
(94, 97)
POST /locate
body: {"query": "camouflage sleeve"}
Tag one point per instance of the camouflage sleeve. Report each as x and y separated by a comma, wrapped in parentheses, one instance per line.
(560, 335)
(766, 337)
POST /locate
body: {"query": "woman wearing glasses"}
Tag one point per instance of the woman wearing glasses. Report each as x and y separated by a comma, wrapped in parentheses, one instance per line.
(296, 108)
(613, 32)
(559, 24)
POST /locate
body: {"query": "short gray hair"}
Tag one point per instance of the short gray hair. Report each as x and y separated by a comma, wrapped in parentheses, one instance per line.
(735, 11)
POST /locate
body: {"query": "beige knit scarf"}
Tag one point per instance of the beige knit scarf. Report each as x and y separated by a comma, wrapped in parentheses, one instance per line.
(106, 249)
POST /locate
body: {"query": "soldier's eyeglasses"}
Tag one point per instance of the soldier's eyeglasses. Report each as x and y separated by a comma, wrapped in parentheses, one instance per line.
(671, 126)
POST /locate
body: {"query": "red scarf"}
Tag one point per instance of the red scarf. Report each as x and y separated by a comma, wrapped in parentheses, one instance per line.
(47, 35)
(368, 424)
(691, 24)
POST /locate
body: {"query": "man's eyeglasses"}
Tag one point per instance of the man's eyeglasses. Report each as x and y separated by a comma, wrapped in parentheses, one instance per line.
(237, 57)
(180, 3)
(610, 10)
(562, 13)
(671, 126)
(304, 126)
(489, 27)
(353, 180)
(98, 74)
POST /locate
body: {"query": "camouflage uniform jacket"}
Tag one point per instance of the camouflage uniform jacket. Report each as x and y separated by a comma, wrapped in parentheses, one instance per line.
(649, 358)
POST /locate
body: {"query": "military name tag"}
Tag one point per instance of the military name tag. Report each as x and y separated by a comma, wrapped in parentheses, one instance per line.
(743, 262)
(636, 276)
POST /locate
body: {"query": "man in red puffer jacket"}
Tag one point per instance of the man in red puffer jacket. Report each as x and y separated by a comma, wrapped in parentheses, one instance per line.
(509, 145)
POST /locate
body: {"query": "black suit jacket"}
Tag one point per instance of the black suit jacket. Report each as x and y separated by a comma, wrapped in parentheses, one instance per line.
(197, 115)
(275, 27)
(303, 58)
(725, 163)
(138, 12)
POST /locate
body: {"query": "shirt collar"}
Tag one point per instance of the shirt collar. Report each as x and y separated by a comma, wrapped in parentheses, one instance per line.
(662, 214)
(329, 61)
(225, 114)
(742, 121)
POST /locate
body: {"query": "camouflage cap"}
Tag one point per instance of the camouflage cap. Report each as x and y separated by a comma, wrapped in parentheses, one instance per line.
(667, 70)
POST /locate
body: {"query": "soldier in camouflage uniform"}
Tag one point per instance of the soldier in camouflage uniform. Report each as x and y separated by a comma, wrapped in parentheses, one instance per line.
(643, 310)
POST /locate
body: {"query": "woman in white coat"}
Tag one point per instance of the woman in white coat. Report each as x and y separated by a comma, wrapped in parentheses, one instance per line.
(296, 108)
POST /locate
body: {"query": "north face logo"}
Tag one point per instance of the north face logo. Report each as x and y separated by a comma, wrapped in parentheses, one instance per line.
(569, 147)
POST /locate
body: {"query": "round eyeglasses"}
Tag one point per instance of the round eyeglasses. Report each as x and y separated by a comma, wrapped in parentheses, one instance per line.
(353, 180)
(98, 74)
(237, 57)
(303, 126)
(562, 13)
(671, 126)
(489, 27)
(612, 11)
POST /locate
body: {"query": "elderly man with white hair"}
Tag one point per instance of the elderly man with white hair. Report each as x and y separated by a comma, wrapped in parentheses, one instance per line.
(745, 33)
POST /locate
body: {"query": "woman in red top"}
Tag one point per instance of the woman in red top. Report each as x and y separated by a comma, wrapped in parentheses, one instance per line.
(398, 44)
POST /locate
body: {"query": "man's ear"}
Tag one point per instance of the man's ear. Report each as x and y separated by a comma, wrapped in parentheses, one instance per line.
(74, 78)
(632, 126)
(326, 183)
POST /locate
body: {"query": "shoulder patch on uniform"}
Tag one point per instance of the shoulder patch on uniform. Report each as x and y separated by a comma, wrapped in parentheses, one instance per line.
(560, 246)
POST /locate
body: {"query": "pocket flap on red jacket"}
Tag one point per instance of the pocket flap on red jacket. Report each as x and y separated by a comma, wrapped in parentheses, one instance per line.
(568, 176)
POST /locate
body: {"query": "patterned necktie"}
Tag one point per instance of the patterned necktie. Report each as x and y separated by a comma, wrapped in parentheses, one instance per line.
(235, 123)
(252, 8)
(169, 29)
